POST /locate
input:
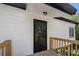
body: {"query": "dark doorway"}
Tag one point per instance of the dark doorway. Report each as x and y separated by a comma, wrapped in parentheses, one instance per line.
(40, 35)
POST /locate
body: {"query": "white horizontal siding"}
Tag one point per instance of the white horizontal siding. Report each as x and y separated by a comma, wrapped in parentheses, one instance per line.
(16, 25)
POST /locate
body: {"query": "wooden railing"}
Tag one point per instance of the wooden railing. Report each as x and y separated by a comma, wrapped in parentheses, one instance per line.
(6, 48)
(64, 47)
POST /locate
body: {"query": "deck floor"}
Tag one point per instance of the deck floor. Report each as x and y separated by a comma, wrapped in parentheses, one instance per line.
(45, 53)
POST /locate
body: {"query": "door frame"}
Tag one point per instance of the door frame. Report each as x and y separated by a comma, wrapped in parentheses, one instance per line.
(34, 32)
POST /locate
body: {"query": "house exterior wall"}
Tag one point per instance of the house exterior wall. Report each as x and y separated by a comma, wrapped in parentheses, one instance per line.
(17, 25)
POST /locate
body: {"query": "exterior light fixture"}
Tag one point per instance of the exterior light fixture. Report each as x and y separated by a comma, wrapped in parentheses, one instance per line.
(45, 13)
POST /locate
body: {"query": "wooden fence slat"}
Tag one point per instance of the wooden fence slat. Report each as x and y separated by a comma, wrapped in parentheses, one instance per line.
(68, 49)
(54, 44)
(50, 43)
(62, 47)
(2, 51)
(76, 49)
(57, 42)
(65, 47)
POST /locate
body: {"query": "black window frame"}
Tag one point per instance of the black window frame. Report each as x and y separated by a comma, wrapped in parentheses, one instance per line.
(71, 32)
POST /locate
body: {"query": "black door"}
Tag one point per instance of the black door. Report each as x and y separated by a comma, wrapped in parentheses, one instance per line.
(40, 35)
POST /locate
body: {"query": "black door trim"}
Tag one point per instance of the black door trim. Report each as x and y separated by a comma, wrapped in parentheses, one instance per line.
(34, 32)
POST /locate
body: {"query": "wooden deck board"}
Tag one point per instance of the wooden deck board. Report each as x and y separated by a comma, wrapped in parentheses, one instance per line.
(45, 53)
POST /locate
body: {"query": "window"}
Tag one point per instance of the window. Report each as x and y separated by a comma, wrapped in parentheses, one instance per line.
(71, 32)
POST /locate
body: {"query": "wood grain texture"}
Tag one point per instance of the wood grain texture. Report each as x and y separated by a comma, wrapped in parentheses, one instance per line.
(64, 45)
(6, 48)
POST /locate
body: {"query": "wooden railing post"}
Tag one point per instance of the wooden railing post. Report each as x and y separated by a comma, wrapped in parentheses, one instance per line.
(6, 48)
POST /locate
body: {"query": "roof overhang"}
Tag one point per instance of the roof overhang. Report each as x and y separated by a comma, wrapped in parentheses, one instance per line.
(65, 7)
(17, 5)
(67, 20)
